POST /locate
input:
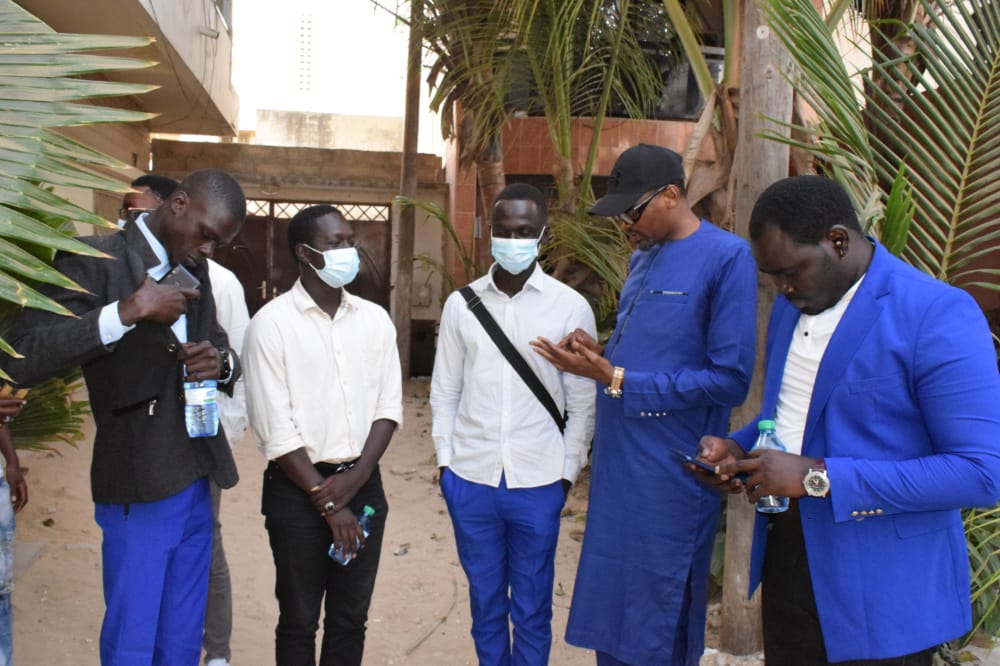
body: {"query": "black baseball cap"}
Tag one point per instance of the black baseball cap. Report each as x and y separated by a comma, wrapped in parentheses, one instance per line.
(637, 171)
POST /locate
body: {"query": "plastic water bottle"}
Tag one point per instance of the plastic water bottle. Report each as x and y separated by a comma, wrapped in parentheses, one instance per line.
(365, 521)
(768, 439)
(201, 408)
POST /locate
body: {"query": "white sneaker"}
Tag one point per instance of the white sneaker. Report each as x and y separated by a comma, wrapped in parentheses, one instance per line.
(218, 661)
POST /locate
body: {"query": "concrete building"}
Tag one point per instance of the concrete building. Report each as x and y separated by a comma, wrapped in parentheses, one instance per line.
(193, 52)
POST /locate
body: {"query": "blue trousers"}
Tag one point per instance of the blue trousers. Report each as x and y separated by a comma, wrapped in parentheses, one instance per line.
(156, 557)
(506, 542)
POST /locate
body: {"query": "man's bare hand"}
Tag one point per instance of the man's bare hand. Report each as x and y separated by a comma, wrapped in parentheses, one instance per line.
(719, 453)
(337, 488)
(10, 407)
(579, 338)
(346, 533)
(772, 472)
(160, 303)
(578, 354)
(18, 486)
(202, 360)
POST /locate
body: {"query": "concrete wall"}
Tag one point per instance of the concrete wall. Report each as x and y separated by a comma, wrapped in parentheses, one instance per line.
(329, 130)
(192, 52)
(321, 176)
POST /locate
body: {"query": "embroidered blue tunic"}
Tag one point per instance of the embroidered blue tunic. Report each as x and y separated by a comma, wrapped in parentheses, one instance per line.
(686, 335)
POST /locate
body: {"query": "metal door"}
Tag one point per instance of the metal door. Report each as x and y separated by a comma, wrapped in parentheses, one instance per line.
(260, 257)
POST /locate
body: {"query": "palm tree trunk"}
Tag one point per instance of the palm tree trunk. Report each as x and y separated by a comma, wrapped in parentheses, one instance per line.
(764, 93)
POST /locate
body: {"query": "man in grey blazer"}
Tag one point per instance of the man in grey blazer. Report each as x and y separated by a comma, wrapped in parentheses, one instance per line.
(138, 340)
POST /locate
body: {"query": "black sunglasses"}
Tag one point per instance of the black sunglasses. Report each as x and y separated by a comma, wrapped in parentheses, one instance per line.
(633, 214)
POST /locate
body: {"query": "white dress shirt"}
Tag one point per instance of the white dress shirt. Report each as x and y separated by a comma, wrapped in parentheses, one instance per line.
(231, 311)
(318, 383)
(809, 342)
(487, 422)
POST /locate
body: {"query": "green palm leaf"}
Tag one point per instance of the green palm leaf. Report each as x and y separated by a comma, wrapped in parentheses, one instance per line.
(37, 97)
(947, 135)
(843, 145)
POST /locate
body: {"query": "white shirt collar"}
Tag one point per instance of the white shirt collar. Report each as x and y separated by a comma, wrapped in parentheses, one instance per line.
(535, 280)
(161, 269)
(303, 301)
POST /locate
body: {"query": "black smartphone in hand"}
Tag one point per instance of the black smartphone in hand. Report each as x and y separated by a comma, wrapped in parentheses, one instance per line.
(683, 457)
(180, 277)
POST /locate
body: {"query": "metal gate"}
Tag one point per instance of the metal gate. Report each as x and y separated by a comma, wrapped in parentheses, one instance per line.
(261, 259)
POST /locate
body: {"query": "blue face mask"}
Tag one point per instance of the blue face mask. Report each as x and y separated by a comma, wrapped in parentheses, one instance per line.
(515, 255)
(340, 266)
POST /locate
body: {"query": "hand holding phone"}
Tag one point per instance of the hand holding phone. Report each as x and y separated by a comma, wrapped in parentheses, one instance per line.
(701, 464)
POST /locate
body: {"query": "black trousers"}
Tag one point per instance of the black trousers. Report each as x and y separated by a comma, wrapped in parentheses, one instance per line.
(792, 634)
(305, 575)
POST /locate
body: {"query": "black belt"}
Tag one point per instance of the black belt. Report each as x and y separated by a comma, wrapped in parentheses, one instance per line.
(329, 469)
(324, 468)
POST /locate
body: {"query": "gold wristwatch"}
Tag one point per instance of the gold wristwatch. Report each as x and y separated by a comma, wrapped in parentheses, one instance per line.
(617, 379)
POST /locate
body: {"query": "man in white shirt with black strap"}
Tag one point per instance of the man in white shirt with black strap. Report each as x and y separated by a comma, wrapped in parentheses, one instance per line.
(324, 396)
(505, 465)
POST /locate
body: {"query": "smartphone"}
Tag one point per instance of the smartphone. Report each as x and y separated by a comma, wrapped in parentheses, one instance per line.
(683, 457)
(180, 277)
(8, 390)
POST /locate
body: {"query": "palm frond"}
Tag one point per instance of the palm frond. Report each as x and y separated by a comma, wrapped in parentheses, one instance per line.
(947, 133)
(37, 97)
(822, 79)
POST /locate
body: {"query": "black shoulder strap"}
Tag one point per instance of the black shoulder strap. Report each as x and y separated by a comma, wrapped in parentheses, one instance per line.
(512, 355)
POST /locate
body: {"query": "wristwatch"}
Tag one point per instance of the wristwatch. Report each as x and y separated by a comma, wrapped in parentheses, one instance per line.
(617, 378)
(816, 482)
(226, 367)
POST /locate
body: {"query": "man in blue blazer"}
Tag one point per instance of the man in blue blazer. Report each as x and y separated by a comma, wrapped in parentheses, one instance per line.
(883, 384)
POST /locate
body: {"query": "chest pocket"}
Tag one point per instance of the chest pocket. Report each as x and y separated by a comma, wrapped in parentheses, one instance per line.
(667, 296)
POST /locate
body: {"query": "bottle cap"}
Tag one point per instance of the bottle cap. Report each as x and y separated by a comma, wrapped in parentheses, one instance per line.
(765, 424)
(368, 511)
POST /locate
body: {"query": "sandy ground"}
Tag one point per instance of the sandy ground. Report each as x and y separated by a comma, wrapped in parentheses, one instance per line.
(419, 614)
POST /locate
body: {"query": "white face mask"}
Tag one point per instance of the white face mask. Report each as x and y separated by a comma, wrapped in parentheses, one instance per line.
(340, 266)
(515, 255)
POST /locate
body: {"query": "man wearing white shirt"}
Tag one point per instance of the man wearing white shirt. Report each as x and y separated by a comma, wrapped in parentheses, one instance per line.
(324, 396)
(505, 465)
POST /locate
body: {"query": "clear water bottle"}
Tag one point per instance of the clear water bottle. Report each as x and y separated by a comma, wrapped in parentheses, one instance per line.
(365, 521)
(201, 408)
(768, 439)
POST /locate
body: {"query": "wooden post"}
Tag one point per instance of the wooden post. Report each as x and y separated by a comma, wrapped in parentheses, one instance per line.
(408, 188)
(764, 92)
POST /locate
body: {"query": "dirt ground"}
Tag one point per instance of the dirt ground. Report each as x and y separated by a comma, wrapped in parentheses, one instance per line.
(419, 614)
